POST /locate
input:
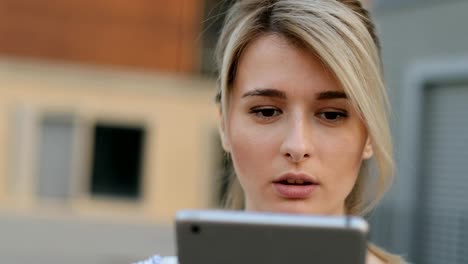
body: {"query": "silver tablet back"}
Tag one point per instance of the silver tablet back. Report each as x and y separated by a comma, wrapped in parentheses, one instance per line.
(222, 237)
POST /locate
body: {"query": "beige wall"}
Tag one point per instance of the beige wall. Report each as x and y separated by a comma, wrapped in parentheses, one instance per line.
(178, 113)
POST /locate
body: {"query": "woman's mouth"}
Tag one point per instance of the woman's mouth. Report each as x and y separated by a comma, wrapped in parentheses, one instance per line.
(295, 182)
(295, 186)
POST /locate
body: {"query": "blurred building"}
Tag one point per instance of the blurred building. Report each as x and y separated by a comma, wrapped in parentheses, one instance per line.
(108, 126)
(425, 54)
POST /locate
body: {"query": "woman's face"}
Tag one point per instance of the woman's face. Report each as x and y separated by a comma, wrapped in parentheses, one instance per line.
(295, 140)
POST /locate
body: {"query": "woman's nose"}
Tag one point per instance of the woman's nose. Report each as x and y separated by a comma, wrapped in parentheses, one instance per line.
(296, 146)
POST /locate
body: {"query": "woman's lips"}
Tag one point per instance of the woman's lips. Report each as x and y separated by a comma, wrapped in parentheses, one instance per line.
(295, 185)
(294, 191)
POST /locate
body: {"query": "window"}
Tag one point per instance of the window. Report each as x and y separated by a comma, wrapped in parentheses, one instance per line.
(442, 216)
(56, 156)
(117, 161)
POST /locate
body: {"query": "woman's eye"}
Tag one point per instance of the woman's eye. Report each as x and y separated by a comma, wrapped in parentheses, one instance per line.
(266, 112)
(333, 116)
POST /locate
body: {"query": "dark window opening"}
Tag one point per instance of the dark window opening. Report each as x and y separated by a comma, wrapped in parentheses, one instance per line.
(117, 161)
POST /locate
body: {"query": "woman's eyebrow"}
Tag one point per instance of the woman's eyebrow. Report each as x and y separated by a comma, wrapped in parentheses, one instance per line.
(327, 95)
(266, 92)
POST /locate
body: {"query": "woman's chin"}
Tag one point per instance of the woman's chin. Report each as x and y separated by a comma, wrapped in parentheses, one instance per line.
(297, 211)
(295, 207)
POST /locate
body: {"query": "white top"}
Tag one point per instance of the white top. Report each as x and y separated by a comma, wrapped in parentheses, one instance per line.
(159, 260)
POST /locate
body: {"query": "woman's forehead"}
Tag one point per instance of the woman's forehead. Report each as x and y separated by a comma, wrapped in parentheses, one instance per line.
(272, 62)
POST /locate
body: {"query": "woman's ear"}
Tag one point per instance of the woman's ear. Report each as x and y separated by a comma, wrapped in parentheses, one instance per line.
(368, 150)
(222, 133)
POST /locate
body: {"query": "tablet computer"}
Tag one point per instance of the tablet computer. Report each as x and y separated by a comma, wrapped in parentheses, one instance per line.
(240, 237)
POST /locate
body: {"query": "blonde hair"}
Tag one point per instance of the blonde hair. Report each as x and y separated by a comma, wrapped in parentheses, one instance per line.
(342, 35)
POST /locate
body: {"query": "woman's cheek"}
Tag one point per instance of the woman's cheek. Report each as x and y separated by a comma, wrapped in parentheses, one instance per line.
(340, 154)
(253, 149)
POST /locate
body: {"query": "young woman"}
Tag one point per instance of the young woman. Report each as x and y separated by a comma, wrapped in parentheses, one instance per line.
(304, 109)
